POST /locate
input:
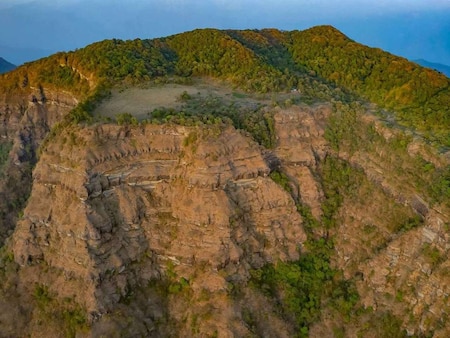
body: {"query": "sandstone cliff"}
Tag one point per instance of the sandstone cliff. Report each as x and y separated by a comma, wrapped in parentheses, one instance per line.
(114, 208)
(150, 229)
(26, 121)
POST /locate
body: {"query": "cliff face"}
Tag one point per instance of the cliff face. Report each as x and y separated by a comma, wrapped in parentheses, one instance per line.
(150, 229)
(157, 229)
(25, 122)
(115, 207)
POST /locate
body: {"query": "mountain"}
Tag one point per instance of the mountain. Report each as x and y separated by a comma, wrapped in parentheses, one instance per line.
(436, 66)
(5, 66)
(20, 55)
(225, 183)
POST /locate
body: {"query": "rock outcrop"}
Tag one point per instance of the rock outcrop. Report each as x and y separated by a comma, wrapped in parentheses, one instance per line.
(25, 122)
(116, 207)
(156, 225)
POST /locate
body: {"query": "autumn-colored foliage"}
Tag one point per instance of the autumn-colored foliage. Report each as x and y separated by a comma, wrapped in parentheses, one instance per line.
(315, 61)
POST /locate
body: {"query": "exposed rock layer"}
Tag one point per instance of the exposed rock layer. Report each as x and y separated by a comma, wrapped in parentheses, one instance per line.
(117, 205)
(114, 209)
(24, 122)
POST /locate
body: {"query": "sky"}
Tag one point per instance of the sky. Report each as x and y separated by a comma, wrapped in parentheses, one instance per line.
(30, 29)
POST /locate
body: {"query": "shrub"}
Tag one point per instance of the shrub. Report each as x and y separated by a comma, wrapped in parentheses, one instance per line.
(126, 119)
(281, 179)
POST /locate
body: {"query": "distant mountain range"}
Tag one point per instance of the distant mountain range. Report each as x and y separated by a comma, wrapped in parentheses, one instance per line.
(5, 66)
(436, 66)
(21, 55)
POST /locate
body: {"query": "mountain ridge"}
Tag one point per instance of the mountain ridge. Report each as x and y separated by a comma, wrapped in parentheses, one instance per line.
(5, 66)
(260, 196)
(162, 57)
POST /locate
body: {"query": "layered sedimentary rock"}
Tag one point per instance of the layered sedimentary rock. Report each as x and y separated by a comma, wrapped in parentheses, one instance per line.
(116, 211)
(25, 121)
(112, 206)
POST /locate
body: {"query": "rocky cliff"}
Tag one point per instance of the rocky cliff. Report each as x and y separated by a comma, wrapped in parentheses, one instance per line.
(114, 208)
(150, 229)
(26, 121)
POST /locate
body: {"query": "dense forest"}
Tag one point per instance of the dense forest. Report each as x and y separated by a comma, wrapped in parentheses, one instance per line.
(320, 60)
(420, 97)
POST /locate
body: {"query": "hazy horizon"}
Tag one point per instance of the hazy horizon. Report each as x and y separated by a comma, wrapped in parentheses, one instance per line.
(33, 29)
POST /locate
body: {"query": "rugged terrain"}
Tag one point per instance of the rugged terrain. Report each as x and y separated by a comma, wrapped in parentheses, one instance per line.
(221, 204)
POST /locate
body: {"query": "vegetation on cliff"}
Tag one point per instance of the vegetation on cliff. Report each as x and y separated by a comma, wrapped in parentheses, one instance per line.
(313, 62)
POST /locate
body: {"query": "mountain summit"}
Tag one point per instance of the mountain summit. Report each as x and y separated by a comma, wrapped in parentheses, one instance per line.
(225, 183)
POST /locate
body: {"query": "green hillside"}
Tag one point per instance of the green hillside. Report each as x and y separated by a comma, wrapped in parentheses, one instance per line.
(420, 97)
(319, 62)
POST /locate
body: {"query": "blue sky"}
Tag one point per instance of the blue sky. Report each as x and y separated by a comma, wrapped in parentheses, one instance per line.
(30, 29)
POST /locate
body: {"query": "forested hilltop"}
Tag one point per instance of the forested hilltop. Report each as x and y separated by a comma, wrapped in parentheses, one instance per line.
(320, 59)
